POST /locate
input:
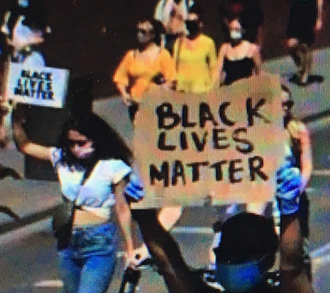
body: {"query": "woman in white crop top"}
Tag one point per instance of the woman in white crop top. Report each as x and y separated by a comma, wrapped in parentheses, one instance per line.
(87, 261)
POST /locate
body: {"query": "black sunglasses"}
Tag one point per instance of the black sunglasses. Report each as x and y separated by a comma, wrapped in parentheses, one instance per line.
(143, 31)
(80, 143)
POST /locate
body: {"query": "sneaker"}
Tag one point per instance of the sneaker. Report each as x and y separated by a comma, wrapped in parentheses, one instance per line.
(315, 79)
(299, 80)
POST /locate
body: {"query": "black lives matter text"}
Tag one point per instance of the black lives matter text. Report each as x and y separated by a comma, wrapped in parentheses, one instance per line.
(34, 84)
(223, 135)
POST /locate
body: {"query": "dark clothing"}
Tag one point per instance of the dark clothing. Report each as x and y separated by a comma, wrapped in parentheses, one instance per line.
(237, 69)
(132, 110)
(302, 20)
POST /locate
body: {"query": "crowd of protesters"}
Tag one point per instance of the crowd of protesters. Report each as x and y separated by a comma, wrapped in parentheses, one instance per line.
(173, 51)
(198, 70)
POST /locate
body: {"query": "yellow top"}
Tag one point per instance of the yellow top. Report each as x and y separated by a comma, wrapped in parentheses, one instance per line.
(137, 75)
(194, 64)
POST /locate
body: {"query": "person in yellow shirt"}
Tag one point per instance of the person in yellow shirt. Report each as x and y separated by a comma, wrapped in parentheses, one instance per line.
(141, 67)
(195, 56)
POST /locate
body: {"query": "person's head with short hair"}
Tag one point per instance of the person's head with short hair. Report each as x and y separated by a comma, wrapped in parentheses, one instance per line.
(246, 251)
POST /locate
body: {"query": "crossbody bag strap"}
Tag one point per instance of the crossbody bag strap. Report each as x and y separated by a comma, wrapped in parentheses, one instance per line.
(74, 207)
(87, 174)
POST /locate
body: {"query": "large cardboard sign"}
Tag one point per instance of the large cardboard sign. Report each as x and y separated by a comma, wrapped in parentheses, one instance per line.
(226, 144)
(41, 86)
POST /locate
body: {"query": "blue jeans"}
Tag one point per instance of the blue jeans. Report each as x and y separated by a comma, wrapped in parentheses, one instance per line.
(88, 264)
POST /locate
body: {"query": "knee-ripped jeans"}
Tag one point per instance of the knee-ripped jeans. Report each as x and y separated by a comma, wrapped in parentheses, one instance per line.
(88, 263)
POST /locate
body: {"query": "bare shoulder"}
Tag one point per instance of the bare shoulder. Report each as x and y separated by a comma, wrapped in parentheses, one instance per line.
(252, 49)
(297, 129)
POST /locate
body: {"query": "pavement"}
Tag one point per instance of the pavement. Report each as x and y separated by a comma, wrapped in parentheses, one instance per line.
(34, 200)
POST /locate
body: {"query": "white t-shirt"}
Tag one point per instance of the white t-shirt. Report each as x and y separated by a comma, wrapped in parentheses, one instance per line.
(97, 191)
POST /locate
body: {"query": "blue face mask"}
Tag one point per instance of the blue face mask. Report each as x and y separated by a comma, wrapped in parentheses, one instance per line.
(240, 277)
(23, 3)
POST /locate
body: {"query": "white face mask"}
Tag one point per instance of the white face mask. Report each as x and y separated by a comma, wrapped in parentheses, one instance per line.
(235, 35)
(83, 152)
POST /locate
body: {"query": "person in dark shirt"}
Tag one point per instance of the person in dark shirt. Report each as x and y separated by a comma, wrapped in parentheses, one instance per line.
(237, 58)
(305, 20)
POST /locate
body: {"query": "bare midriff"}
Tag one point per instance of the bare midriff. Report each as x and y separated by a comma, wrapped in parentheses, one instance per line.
(86, 218)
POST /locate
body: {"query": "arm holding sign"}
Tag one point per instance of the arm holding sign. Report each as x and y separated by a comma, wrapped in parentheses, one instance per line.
(23, 144)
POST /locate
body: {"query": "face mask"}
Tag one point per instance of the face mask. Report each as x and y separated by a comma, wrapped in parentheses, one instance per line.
(23, 3)
(83, 152)
(235, 35)
(192, 27)
(239, 278)
(144, 37)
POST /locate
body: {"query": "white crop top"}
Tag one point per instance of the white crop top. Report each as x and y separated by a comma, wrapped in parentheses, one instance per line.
(97, 191)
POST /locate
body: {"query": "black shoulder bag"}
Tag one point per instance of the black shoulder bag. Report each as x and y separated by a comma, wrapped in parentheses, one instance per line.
(63, 216)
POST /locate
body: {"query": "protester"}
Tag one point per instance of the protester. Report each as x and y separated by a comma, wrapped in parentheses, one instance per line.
(250, 14)
(194, 56)
(168, 216)
(305, 21)
(146, 65)
(92, 164)
(292, 180)
(238, 58)
(173, 13)
(299, 148)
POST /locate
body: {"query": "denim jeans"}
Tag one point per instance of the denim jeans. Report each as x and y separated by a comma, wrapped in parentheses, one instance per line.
(88, 264)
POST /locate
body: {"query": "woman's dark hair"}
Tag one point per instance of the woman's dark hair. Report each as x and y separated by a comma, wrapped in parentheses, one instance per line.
(157, 27)
(106, 141)
(198, 10)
